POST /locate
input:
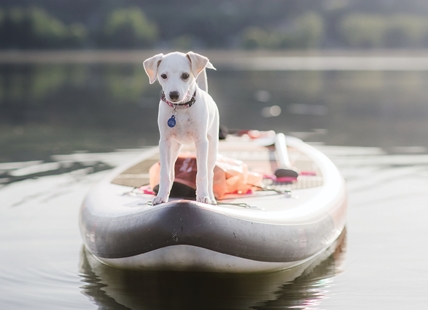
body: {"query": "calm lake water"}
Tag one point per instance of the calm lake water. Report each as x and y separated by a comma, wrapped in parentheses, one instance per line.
(64, 126)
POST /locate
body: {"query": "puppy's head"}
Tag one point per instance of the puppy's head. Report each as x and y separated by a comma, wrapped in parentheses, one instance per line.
(176, 72)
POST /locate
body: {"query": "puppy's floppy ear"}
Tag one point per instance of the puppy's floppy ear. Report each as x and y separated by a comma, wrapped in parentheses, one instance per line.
(198, 63)
(151, 67)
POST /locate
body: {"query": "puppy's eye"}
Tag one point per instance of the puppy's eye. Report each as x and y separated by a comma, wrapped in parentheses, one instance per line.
(185, 76)
(164, 76)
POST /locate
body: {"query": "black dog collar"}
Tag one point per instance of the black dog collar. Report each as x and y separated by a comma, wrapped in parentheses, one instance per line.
(187, 104)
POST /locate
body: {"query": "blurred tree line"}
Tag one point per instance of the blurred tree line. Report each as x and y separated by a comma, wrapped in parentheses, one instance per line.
(186, 24)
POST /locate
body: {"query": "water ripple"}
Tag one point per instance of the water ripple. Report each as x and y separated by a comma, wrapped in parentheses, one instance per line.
(300, 288)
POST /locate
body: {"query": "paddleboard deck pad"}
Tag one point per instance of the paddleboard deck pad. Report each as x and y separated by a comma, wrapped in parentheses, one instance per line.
(280, 227)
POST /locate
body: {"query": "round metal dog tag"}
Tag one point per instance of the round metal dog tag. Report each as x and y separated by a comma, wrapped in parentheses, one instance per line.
(171, 121)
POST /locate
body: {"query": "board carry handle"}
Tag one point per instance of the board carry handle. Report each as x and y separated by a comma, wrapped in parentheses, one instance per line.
(284, 166)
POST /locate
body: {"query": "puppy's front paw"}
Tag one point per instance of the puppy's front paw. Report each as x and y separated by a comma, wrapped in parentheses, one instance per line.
(158, 200)
(205, 199)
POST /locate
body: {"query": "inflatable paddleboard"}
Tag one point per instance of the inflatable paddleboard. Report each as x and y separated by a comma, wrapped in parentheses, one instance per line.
(296, 214)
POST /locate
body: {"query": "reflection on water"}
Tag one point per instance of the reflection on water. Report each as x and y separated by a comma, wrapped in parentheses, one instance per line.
(301, 287)
(50, 109)
(56, 109)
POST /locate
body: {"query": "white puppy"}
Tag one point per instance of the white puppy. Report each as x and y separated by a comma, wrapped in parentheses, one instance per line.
(187, 114)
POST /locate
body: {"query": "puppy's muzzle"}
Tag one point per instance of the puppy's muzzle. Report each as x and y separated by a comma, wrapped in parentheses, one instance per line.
(174, 96)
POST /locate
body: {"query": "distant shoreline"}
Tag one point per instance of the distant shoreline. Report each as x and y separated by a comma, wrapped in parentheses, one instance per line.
(317, 60)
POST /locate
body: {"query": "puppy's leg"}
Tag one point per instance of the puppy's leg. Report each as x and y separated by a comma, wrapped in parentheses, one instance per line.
(165, 182)
(202, 193)
(212, 158)
(168, 150)
(175, 150)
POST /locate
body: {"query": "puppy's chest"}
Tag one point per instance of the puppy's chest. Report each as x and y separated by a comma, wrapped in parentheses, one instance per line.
(184, 130)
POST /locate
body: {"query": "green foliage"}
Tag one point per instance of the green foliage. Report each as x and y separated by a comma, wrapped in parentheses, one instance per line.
(377, 31)
(363, 30)
(128, 28)
(76, 35)
(207, 24)
(45, 25)
(35, 28)
(307, 31)
(310, 30)
(184, 42)
(17, 15)
(255, 37)
(405, 30)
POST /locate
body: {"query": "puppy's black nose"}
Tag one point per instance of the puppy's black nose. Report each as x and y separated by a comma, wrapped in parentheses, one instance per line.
(174, 95)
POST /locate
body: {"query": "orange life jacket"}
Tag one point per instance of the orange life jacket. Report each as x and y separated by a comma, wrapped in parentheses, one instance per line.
(231, 176)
